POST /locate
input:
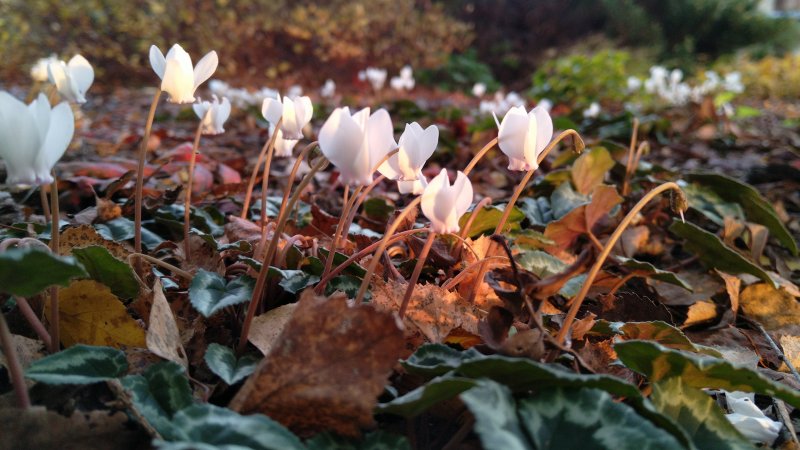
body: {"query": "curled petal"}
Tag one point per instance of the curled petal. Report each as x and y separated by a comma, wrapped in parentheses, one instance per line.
(157, 61)
(272, 110)
(59, 135)
(81, 72)
(544, 125)
(205, 68)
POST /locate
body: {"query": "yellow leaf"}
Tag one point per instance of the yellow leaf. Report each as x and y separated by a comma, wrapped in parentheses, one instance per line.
(90, 314)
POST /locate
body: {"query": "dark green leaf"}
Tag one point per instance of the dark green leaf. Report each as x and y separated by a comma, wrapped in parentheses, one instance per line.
(699, 371)
(376, 440)
(488, 218)
(80, 364)
(420, 399)
(540, 263)
(294, 281)
(536, 210)
(697, 414)
(210, 292)
(588, 418)
(222, 361)
(756, 208)
(714, 253)
(160, 392)
(105, 268)
(496, 421)
(711, 205)
(437, 359)
(378, 209)
(338, 258)
(209, 427)
(665, 334)
(565, 199)
(654, 272)
(122, 229)
(27, 272)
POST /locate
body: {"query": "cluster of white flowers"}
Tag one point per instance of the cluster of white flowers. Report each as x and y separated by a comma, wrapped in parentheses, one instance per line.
(328, 90)
(501, 103)
(670, 86)
(377, 78)
(239, 97)
(374, 76)
(405, 81)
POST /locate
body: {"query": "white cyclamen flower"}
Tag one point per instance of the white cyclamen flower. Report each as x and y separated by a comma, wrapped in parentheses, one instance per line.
(33, 138)
(213, 115)
(328, 89)
(72, 79)
(416, 146)
(356, 143)
(523, 136)
(179, 78)
(444, 204)
(478, 89)
(283, 147)
(375, 77)
(592, 111)
(405, 81)
(39, 70)
(296, 114)
(751, 421)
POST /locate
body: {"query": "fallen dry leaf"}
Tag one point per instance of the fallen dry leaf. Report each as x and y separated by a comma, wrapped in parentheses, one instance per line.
(85, 236)
(163, 336)
(267, 327)
(327, 368)
(582, 219)
(700, 312)
(733, 285)
(28, 350)
(791, 348)
(774, 308)
(434, 311)
(90, 314)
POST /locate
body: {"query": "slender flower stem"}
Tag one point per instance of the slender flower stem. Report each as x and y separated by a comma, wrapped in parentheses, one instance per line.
(578, 145)
(384, 242)
(187, 205)
(137, 226)
(255, 300)
(177, 271)
(578, 300)
(265, 179)
(478, 156)
(360, 201)
(412, 282)
(453, 282)
(45, 203)
(14, 367)
(55, 243)
(33, 320)
(629, 164)
(367, 250)
(251, 185)
(468, 226)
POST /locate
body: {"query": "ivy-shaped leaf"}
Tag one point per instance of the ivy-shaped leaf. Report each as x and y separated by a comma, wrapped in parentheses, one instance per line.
(210, 292)
(222, 361)
(80, 364)
(105, 268)
(27, 272)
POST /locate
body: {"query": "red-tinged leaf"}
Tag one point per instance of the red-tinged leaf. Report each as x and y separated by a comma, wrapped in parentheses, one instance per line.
(582, 219)
(228, 175)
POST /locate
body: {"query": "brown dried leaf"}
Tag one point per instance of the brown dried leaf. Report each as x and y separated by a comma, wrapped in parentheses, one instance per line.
(327, 369)
(434, 311)
(163, 336)
(85, 236)
(700, 312)
(267, 327)
(774, 308)
(238, 229)
(733, 285)
(28, 350)
(791, 349)
(582, 219)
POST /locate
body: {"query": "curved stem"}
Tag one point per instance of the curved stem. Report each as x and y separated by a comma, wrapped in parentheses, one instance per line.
(423, 255)
(137, 208)
(578, 300)
(478, 156)
(33, 320)
(578, 147)
(382, 246)
(45, 203)
(252, 183)
(187, 205)
(265, 263)
(468, 226)
(55, 237)
(281, 258)
(14, 367)
(367, 250)
(265, 176)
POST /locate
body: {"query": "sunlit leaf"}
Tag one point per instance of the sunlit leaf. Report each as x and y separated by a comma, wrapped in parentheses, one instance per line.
(81, 364)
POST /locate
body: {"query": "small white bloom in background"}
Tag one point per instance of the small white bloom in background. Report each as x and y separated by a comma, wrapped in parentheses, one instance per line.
(523, 136)
(444, 204)
(328, 89)
(733, 83)
(355, 143)
(283, 147)
(213, 115)
(545, 104)
(676, 76)
(39, 69)
(634, 84)
(478, 89)
(501, 103)
(592, 111)
(294, 90)
(376, 77)
(404, 82)
(33, 138)
(179, 78)
(416, 145)
(72, 79)
(751, 421)
(296, 114)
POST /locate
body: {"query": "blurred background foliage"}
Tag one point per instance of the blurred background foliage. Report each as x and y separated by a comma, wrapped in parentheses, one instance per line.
(450, 43)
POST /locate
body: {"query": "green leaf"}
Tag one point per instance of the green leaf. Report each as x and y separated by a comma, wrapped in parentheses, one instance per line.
(699, 371)
(540, 263)
(354, 269)
(714, 253)
(160, 392)
(564, 199)
(222, 361)
(294, 281)
(79, 364)
(588, 418)
(437, 359)
(29, 271)
(698, 415)
(590, 169)
(488, 218)
(210, 292)
(756, 208)
(654, 272)
(496, 421)
(536, 210)
(241, 246)
(122, 229)
(664, 334)
(378, 209)
(420, 399)
(711, 205)
(209, 427)
(376, 440)
(105, 268)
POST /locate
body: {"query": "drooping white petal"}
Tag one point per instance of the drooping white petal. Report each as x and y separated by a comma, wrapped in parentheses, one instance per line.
(157, 61)
(59, 135)
(81, 72)
(304, 110)
(340, 140)
(511, 136)
(223, 112)
(464, 194)
(444, 204)
(178, 79)
(272, 110)
(59, 76)
(291, 128)
(427, 140)
(544, 124)
(200, 109)
(205, 68)
(20, 140)
(529, 148)
(40, 111)
(380, 136)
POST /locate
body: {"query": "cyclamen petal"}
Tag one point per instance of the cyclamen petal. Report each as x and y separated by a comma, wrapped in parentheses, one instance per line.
(444, 204)
(179, 78)
(522, 136)
(213, 115)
